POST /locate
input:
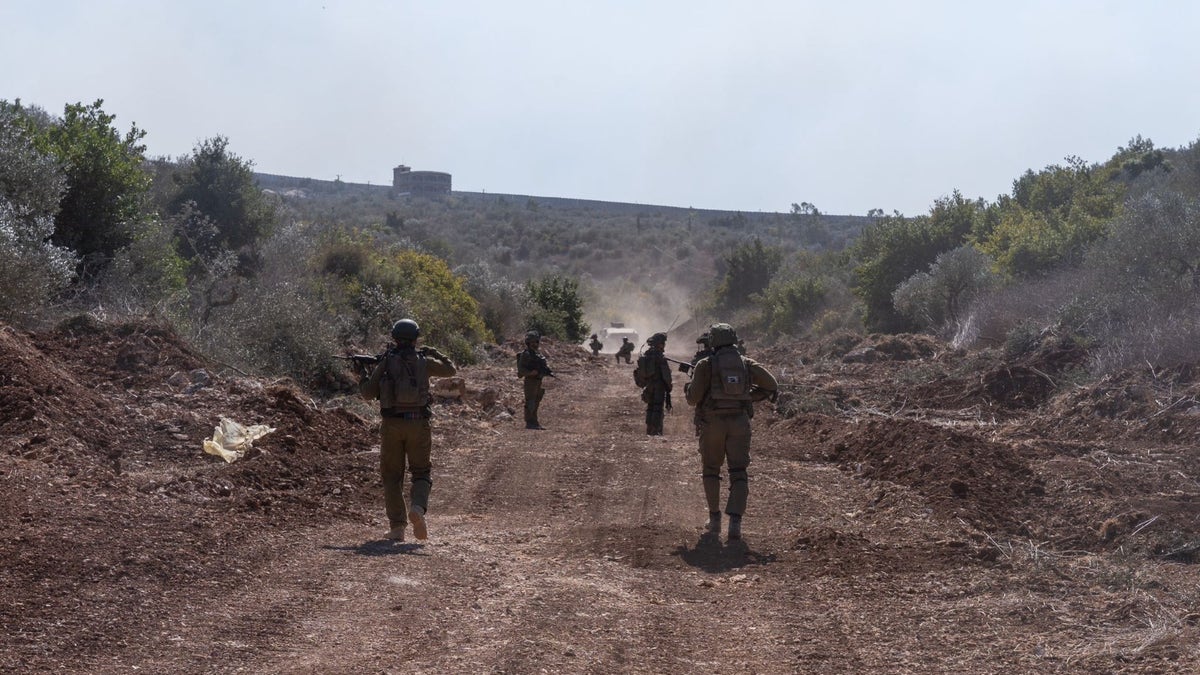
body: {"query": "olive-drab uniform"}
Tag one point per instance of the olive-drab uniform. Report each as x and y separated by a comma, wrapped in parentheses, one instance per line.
(531, 368)
(654, 376)
(626, 351)
(596, 345)
(724, 388)
(704, 350)
(401, 383)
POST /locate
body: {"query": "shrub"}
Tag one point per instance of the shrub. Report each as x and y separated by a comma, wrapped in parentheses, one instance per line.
(381, 287)
(558, 307)
(939, 298)
(502, 303)
(32, 270)
(220, 185)
(276, 329)
(748, 269)
(107, 184)
(148, 276)
(788, 307)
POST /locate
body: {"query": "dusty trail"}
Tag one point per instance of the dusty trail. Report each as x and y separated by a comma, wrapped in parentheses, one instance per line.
(571, 549)
(578, 548)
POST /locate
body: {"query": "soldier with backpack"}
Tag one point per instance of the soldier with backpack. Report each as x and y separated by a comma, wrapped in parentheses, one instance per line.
(401, 383)
(723, 389)
(596, 345)
(531, 368)
(653, 375)
(626, 351)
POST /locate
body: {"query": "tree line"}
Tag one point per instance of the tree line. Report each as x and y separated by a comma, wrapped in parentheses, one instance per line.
(1108, 252)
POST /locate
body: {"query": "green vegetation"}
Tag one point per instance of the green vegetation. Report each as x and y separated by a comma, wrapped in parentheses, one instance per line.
(558, 308)
(219, 186)
(106, 185)
(271, 274)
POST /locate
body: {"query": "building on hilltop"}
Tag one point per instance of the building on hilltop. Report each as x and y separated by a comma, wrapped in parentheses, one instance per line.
(423, 183)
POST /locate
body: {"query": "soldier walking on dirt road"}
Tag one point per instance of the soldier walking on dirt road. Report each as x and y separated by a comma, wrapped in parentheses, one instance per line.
(532, 367)
(401, 383)
(653, 375)
(723, 389)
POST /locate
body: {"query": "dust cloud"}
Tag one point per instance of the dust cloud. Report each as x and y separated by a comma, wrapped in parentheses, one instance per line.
(662, 307)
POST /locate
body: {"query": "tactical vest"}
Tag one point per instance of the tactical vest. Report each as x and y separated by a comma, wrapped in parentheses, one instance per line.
(729, 387)
(647, 370)
(404, 384)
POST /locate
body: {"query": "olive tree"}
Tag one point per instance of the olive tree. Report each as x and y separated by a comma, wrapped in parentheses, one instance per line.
(939, 297)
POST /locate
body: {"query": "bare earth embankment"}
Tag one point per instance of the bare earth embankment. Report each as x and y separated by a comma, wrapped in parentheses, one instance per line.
(920, 511)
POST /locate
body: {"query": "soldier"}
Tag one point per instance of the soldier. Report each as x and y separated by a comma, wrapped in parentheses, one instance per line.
(532, 367)
(626, 351)
(724, 388)
(401, 383)
(653, 375)
(596, 345)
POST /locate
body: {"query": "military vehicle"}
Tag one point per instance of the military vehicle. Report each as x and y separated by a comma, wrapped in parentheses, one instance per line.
(611, 336)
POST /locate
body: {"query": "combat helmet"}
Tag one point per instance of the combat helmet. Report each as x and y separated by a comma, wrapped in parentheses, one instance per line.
(722, 335)
(657, 339)
(704, 339)
(406, 330)
(533, 336)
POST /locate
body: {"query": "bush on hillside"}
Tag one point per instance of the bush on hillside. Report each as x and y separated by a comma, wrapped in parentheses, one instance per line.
(32, 270)
(557, 308)
(937, 300)
(382, 286)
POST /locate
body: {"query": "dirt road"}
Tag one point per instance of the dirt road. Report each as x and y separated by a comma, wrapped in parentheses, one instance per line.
(579, 549)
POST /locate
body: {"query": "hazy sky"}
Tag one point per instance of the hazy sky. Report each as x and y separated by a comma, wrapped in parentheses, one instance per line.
(728, 105)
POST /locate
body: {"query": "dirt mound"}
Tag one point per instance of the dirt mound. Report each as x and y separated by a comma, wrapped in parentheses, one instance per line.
(1151, 404)
(904, 347)
(133, 398)
(132, 353)
(1030, 379)
(959, 475)
(46, 412)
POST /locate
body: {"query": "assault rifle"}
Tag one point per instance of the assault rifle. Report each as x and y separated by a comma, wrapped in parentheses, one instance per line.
(543, 367)
(362, 363)
(684, 366)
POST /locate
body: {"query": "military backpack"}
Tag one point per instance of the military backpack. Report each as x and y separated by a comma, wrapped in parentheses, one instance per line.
(729, 389)
(404, 384)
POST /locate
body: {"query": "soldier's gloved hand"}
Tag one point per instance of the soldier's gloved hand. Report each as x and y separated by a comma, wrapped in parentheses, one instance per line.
(433, 351)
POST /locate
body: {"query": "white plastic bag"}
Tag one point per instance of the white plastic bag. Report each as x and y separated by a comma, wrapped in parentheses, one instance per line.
(231, 441)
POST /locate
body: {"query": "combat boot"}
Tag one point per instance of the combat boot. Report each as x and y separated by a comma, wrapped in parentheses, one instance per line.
(395, 534)
(735, 527)
(714, 523)
(416, 516)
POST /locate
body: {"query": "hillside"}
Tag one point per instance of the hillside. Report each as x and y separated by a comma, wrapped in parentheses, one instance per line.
(913, 509)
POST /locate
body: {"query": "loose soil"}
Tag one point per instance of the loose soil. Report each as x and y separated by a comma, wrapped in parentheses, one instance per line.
(925, 511)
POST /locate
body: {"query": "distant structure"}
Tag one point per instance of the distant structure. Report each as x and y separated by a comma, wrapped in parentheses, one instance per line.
(423, 183)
